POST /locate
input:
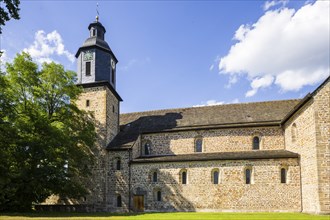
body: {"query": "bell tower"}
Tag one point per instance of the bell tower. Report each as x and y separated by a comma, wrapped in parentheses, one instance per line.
(96, 70)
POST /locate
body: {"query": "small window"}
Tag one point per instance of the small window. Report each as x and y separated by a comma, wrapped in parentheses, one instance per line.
(88, 68)
(113, 108)
(248, 176)
(147, 148)
(154, 177)
(119, 201)
(118, 164)
(87, 103)
(93, 32)
(256, 143)
(113, 73)
(215, 177)
(184, 177)
(199, 145)
(159, 196)
(283, 175)
(294, 132)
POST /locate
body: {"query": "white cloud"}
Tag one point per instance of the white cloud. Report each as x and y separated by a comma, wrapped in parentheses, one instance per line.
(213, 102)
(270, 4)
(47, 45)
(286, 47)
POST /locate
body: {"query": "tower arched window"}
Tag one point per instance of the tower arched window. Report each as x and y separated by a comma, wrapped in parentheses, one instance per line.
(154, 177)
(283, 175)
(119, 203)
(199, 144)
(248, 174)
(256, 143)
(294, 132)
(147, 148)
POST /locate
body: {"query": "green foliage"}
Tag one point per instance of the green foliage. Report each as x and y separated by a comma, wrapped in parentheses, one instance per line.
(11, 11)
(46, 141)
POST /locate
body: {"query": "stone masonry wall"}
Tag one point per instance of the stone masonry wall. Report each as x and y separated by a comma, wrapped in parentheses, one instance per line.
(216, 140)
(322, 120)
(100, 101)
(312, 143)
(266, 193)
(305, 145)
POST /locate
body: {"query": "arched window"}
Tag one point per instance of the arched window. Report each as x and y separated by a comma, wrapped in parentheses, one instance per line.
(147, 148)
(154, 177)
(199, 144)
(256, 143)
(119, 201)
(248, 176)
(294, 132)
(183, 176)
(215, 176)
(118, 164)
(159, 196)
(283, 175)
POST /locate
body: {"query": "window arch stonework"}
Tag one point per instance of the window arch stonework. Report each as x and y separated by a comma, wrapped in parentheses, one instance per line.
(183, 176)
(256, 142)
(198, 144)
(215, 176)
(146, 148)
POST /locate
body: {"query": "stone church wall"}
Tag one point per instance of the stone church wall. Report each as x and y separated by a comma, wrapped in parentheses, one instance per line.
(312, 143)
(266, 193)
(215, 140)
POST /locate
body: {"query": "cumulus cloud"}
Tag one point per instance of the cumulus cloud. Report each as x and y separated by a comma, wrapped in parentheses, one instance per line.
(284, 47)
(271, 4)
(47, 45)
(213, 102)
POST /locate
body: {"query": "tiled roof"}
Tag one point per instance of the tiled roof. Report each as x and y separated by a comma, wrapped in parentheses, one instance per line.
(242, 114)
(241, 155)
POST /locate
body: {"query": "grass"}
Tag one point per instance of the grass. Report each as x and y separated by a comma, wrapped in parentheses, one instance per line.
(163, 216)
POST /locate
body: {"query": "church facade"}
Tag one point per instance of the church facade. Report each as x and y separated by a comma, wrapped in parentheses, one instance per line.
(263, 156)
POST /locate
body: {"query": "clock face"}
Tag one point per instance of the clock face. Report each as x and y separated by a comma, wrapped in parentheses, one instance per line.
(113, 64)
(88, 55)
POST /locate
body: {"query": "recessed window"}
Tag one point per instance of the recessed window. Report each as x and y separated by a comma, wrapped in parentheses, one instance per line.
(183, 176)
(113, 108)
(215, 176)
(283, 175)
(113, 73)
(87, 103)
(159, 196)
(118, 164)
(199, 145)
(93, 32)
(147, 148)
(88, 68)
(256, 143)
(154, 177)
(294, 132)
(248, 176)
(119, 201)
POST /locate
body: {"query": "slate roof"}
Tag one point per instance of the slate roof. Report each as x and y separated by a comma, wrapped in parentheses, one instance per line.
(241, 155)
(231, 115)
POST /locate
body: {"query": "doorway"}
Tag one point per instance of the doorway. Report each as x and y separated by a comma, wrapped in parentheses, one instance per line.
(138, 202)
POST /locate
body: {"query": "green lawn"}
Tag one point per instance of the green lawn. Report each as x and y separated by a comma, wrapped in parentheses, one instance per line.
(164, 216)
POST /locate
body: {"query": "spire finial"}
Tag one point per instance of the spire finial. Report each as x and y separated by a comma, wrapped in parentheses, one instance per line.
(97, 12)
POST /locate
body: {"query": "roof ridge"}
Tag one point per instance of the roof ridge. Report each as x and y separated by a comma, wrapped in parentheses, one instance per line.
(206, 106)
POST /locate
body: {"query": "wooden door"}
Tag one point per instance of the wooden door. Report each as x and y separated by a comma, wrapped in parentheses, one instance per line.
(138, 203)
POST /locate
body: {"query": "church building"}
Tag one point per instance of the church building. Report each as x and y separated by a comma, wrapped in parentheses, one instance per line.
(263, 156)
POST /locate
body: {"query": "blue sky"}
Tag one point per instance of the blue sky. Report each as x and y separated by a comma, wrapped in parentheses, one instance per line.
(175, 54)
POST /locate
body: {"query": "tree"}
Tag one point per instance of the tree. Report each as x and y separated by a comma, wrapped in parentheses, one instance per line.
(11, 11)
(47, 143)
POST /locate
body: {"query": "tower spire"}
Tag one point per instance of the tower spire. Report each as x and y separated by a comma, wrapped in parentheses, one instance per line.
(97, 12)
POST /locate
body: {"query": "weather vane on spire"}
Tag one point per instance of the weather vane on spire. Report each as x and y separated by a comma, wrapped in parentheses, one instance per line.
(97, 12)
